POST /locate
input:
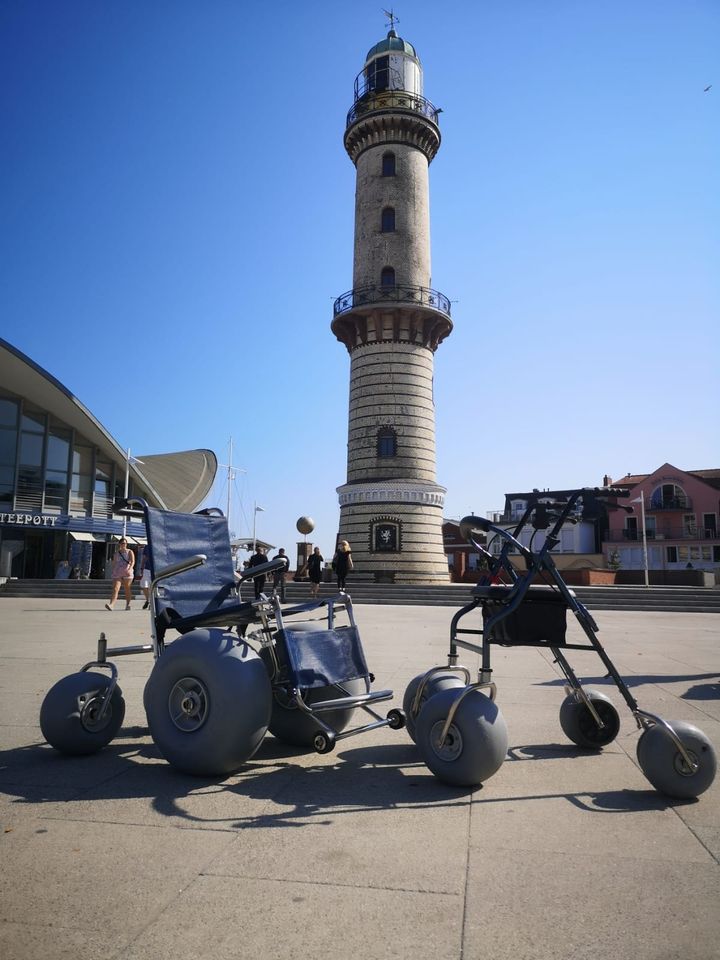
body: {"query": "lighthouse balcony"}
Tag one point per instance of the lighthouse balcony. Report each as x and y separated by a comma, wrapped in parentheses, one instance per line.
(373, 101)
(402, 294)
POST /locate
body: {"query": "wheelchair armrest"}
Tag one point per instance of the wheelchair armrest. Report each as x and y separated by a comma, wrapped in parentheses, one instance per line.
(184, 565)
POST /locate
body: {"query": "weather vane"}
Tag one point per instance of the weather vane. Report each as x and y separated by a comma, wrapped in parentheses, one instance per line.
(391, 17)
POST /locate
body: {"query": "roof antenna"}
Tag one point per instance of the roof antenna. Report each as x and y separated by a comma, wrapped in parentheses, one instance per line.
(390, 14)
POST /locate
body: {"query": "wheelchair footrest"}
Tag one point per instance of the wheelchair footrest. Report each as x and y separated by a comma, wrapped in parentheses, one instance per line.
(347, 703)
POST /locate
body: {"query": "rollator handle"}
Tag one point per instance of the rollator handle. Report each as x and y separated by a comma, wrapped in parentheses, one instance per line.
(470, 523)
(262, 569)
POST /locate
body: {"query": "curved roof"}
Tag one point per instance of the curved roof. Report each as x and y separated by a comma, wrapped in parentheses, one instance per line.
(391, 42)
(175, 481)
(183, 478)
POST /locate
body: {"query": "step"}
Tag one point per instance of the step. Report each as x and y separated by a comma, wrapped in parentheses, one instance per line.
(632, 598)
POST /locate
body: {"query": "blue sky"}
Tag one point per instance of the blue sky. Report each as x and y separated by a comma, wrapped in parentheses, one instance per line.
(177, 218)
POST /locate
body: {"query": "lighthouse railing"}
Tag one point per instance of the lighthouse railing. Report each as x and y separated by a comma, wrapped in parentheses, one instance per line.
(373, 101)
(400, 293)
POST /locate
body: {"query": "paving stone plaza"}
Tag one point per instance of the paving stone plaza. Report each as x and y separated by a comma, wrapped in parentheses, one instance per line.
(360, 852)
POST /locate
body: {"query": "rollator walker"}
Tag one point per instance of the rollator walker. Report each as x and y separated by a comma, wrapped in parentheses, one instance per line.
(456, 722)
(225, 670)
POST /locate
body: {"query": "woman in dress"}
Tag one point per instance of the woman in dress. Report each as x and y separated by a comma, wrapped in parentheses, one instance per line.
(123, 571)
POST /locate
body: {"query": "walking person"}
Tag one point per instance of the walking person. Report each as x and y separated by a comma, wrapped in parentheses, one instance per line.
(255, 560)
(314, 568)
(342, 563)
(122, 573)
(279, 575)
(146, 574)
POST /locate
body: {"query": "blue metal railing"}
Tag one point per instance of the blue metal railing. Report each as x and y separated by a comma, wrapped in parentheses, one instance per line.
(365, 296)
(391, 100)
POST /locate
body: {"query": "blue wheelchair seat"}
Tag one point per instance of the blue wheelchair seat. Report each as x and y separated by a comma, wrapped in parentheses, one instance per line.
(206, 595)
(322, 658)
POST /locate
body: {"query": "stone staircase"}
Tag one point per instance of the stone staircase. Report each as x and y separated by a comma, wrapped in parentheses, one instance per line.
(657, 599)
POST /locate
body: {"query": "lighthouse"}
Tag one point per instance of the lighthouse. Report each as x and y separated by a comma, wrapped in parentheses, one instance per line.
(391, 322)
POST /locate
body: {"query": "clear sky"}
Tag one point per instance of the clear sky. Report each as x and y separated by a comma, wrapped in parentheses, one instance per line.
(176, 213)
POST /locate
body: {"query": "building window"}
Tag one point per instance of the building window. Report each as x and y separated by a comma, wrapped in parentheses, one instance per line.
(710, 525)
(30, 467)
(57, 461)
(631, 528)
(9, 410)
(671, 554)
(102, 501)
(82, 479)
(694, 552)
(388, 165)
(387, 277)
(668, 496)
(377, 74)
(386, 442)
(387, 220)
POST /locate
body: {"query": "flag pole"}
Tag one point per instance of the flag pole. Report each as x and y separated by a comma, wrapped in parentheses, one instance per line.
(644, 538)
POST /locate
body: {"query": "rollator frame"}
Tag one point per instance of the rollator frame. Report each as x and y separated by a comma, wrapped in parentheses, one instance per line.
(525, 612)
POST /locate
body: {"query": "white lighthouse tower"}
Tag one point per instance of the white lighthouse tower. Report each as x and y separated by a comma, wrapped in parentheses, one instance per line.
(391, 322)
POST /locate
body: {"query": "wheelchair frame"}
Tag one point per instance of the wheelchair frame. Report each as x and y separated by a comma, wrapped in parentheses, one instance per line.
(274, 633)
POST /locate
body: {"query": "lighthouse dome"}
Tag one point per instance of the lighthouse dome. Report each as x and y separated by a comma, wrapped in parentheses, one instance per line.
(391, 44)
(391, 64)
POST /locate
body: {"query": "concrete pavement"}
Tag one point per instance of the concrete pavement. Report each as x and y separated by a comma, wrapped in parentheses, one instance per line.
(360, 852)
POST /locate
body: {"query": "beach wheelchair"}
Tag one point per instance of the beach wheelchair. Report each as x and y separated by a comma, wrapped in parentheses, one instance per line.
(455, 720)
(225, 670)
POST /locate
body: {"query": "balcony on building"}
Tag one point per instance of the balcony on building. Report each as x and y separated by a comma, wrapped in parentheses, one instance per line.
(664, 532)
(669, 503)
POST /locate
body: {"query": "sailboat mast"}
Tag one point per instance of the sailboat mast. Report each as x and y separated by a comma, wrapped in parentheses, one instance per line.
(229, 483)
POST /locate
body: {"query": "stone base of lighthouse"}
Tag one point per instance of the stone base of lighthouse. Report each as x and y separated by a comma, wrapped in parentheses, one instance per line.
(395, 530)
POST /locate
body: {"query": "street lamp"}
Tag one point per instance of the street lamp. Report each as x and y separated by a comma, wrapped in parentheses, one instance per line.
(256, 511)
(641, 501)
(128, 461)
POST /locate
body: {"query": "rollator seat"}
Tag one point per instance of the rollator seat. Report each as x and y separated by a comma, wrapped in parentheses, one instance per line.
(502, 591)
(540, 619)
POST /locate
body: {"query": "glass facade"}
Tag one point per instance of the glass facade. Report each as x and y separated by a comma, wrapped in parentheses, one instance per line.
(56, 493)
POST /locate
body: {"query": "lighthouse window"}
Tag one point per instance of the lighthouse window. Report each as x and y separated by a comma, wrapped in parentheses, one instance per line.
(378, 74)
(386, 443)
(388, 165)
(388, 220)
(387, 277)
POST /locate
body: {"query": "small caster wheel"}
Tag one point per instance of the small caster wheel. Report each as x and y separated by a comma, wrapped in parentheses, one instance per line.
(72, 718)
(436, 683)
(396, 719)
(476, 742)
(579, 724)
(324, 742)
(666, 768)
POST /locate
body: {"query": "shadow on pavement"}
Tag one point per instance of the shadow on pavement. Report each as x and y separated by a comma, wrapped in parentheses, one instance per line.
(702, 691)
(292, 789)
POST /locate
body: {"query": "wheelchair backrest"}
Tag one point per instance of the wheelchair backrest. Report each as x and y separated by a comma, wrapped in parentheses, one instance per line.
(174, 537)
